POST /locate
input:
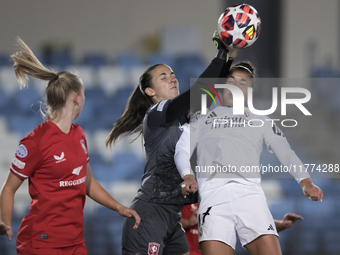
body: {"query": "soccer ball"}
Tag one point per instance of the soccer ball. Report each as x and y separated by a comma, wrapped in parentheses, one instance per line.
(239, 26)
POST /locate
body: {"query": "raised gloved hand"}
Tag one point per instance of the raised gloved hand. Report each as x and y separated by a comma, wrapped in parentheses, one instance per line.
(217, 41)
(231, 52)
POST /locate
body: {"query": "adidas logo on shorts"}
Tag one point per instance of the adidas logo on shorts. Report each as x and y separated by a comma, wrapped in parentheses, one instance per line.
(270, 227)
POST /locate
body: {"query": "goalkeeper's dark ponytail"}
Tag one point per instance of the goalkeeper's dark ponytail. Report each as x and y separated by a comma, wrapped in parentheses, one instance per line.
(132, 119)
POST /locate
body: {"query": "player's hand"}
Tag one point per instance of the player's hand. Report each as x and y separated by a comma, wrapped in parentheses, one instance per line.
(232, 53)
(217, 41)
(6, 230)
(129, 213)
(193, 221)
(310, 190)
(288, 220)
(189, 185)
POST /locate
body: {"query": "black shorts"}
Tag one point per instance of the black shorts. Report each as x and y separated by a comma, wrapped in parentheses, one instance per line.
(159, 233)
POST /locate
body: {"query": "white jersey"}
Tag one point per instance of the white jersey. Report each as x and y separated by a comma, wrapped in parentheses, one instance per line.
(229, 147)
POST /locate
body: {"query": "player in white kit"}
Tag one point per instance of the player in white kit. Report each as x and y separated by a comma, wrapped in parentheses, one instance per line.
(231, 200)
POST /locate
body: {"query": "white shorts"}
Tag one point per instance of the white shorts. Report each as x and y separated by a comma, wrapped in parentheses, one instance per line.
(243, 211)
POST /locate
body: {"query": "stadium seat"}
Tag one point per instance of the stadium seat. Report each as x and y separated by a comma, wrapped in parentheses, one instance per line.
(160, 58)
(95, 159)
(110, 78)
(308, 243)
(5, 60)
(8, 80)
(127, 60)
(61, 59)
(27, 100)
(314, 210)
(104, 174)
(122, 96)
(3, 100)
(279, 208)
(191, 59)
(115, 228)
(95, 59)
(99, 139)
(290, 187)
(330, 241)
(22, 124)
(127, 166)
(135, 73)
(105, 117)
(87, 74)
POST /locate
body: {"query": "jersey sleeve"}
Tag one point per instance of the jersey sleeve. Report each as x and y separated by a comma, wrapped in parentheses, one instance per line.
(182, 153)
(218, 68)
(195, 123)
(157, 114)
(277, 143)
(272, 133)
(27, 158)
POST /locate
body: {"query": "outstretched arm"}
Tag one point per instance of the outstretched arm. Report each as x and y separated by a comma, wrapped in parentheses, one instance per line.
(218, 68)
(288, 157)
(288, 220)
(192, 221)
(7, 203)
(182, 161)
(310, 190)
(95, 191)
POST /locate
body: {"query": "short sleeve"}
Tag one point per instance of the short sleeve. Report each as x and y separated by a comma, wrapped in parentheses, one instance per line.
(157, 114)
(196, 121)
(27, 158)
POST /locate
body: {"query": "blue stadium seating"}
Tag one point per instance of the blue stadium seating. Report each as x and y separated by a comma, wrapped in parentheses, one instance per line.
(282, 206)
(95, 60)
(27, 100)
(5, 60)
(309, 242)
(61, 59)
(127, 60)
(3, 101)
(160, 58)
(127, 166)
(23, 124)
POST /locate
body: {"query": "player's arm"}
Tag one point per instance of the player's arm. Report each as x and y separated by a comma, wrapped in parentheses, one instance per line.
(287, 157)
(7, 204)
(192, 221)
(288, 220)
(218, 68)
(277, 143)
(182, 161)
(95, 191)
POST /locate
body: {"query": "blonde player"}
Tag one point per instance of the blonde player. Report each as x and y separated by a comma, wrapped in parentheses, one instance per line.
(54, 159)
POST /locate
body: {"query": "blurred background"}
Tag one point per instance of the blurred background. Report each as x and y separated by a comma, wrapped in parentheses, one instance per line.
(110, 44)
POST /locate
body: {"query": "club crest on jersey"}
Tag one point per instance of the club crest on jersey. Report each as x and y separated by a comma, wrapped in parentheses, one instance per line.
(193, 207)
(60, 158)
(246, 114)
(22, 151)
(153, 248)
(200, 231)
(82, 143)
